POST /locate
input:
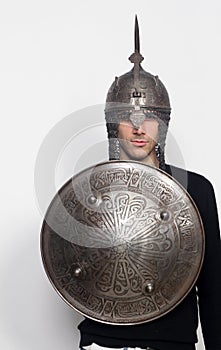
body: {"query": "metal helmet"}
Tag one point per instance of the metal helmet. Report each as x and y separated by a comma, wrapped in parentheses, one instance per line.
(135, 96)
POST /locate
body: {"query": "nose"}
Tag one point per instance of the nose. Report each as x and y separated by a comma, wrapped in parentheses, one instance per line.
(138, 131)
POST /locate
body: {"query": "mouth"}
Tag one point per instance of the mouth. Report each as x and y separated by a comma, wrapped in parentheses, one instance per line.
(139, 143)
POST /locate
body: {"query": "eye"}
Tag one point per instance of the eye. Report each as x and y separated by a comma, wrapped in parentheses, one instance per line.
(125, 123)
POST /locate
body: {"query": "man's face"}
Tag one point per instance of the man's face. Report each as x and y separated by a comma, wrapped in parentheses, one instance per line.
(139, 144)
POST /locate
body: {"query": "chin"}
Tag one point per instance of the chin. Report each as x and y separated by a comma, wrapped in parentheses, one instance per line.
(140, 154)
(138, 157)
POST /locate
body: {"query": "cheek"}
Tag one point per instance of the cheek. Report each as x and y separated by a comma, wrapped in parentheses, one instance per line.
(124, 131)
(151, 129)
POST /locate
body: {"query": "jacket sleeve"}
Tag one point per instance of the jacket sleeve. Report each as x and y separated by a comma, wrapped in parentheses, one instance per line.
(209, 282)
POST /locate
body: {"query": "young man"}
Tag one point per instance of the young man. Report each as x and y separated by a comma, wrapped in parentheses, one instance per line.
(137, 116)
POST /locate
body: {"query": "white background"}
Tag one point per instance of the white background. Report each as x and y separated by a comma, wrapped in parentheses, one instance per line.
(56, 58)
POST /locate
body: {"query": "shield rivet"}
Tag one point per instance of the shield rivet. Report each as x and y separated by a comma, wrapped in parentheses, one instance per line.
(77, 271)
(164, 215)
(149, 287)
(92, 199)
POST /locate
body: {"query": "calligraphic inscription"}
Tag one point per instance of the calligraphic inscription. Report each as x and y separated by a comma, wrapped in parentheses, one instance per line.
(122, 243)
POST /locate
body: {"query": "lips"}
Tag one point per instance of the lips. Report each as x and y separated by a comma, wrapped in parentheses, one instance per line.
(139, 143)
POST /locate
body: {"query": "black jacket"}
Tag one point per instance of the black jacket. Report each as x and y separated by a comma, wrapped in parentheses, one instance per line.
(177, 330)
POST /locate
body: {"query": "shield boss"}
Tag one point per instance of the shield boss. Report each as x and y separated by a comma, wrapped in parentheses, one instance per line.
(122, 243)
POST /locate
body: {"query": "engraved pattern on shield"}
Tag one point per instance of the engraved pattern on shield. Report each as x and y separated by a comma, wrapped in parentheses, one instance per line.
(125, 258)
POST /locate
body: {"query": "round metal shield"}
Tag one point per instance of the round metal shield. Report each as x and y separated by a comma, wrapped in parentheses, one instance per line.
(122, 243)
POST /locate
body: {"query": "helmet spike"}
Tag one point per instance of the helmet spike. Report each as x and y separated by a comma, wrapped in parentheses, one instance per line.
(136, 36)
(136, 57)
